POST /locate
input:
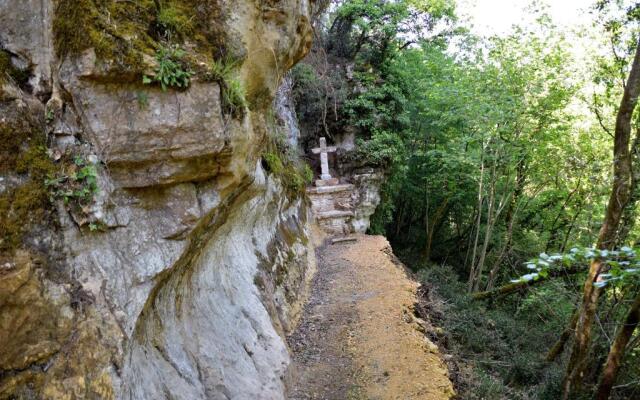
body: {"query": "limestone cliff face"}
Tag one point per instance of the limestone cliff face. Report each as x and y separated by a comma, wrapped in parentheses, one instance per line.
(145, 253)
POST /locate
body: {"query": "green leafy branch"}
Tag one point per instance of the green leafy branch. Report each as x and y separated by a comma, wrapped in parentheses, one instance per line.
(621, 265)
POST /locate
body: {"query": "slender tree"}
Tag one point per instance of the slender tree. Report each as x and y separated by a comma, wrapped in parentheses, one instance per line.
(618, 199)
(612, 366)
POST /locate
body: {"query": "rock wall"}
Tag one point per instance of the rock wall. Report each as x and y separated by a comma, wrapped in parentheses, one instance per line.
(286, 113)
(366, 197)
(145, 252)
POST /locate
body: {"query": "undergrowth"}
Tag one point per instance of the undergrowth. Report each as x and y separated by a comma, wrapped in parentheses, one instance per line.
(501, 346)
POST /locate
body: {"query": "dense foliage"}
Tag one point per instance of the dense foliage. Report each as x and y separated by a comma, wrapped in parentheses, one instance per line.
(498, 151)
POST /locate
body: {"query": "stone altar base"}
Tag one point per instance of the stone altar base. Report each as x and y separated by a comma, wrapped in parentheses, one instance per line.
(333, 208)
(327, 182)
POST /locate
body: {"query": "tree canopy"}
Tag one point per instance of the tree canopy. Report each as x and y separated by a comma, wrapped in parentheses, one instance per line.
(501, 155)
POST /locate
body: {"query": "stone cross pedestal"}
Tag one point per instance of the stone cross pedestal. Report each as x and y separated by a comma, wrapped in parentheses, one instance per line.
(325, 176)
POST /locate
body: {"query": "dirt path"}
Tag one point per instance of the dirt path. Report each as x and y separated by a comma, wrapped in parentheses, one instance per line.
(358, 338)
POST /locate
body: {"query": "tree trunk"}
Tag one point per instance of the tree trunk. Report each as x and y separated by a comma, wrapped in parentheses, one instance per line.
(510, 221)
(433, 227)
(399, 219)
(617, 351)
(478, 221)
(558, 347)
(477, 270)
(493, 274)
(492, 218)
(629, 214)
(606, 239)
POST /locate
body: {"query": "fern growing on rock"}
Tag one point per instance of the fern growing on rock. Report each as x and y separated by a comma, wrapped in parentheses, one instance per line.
(233, 94)
(171, 71)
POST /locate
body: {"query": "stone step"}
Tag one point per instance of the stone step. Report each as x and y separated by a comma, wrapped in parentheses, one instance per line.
(330, 189)
(320, 206)
(334, 214)
(344, 240)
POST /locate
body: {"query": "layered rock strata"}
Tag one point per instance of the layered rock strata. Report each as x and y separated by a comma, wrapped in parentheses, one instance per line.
(145, 252)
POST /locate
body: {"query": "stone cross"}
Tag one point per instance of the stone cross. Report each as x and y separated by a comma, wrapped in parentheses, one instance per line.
(323, 150)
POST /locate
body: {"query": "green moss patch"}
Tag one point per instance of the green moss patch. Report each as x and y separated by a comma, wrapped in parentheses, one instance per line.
(173, 20)
(123, 32)
(116, 30)
(295, 176)
(23, 151)
(205, 25)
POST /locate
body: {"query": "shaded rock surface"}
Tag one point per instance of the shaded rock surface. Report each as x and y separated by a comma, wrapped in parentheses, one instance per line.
(181, 274)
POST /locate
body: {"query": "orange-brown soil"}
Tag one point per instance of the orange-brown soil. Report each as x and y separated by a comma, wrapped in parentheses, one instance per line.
(359, 337)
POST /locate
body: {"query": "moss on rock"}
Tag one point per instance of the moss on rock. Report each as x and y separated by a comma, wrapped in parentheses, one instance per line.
(295, 176)
(23, 153)
(122, 33)
(116, 30)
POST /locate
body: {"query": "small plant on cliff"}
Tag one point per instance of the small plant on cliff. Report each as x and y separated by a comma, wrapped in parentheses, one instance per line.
(273, 163)
(233, 94)
(76, 184)
(171, 71)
